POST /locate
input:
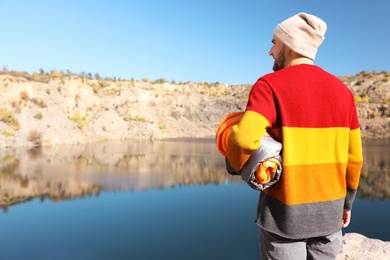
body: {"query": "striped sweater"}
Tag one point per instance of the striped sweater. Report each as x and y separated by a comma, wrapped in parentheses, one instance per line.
(313, 115)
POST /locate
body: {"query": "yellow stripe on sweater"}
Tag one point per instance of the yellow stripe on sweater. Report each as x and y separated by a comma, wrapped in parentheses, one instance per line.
(355, 146)
(307, 146)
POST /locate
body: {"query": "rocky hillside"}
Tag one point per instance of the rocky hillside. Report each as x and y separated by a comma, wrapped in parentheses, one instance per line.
(62, 108)
(372, 95)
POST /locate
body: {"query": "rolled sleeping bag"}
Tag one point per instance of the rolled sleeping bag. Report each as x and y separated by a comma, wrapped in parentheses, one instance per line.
(263, 168)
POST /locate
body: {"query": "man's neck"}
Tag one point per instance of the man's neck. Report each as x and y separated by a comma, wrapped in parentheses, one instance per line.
(300, 60)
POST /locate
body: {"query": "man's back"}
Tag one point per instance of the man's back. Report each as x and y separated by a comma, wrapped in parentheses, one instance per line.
(313, 115)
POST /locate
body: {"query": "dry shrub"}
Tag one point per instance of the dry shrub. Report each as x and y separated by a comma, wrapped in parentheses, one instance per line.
(56, 75)
(23, 95)
(34, 137)
(8, 118)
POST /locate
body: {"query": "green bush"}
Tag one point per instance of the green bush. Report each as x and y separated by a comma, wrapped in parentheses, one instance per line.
(38, 116)
(8, 118)
(8, 133)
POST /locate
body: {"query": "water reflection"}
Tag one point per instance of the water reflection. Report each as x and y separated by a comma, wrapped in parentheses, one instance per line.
(65, 172)
(74, 171)
(375, 178)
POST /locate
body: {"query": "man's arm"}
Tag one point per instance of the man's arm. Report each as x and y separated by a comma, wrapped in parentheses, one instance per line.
(245, 138)
(354, 166)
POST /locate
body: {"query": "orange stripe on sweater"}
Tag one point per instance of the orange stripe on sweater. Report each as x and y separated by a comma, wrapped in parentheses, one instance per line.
(352, 177)
(310, 183)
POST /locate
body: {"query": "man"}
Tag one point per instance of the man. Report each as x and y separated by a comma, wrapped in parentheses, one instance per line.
(313, 115)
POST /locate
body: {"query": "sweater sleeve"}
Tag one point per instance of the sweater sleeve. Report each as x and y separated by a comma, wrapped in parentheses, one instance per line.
(245, 138)
(354, 165)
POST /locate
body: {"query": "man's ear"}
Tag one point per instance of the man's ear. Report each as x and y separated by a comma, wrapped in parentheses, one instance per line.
(288, 50)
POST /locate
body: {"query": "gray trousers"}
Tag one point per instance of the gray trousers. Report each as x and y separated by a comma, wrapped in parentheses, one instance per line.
(275, 247)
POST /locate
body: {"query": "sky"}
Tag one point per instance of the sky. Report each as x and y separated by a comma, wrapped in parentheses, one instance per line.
(223, 41)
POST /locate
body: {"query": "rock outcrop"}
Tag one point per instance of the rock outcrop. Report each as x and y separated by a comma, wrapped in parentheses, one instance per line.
(358, 247)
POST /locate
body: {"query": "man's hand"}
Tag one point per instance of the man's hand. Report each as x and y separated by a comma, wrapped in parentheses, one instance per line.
(346, 218)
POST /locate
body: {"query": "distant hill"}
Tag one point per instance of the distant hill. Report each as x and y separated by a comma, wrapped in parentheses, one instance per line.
(49, 108)
(372, 95)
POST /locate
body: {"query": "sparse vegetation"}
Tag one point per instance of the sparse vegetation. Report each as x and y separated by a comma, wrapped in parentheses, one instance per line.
(8, 133)
(7, 117)
(38, 116)
(79, 119)
(23, 95)
(159, 81)
(136, 118)
(56, 75)
(39, 102)
(34, 137)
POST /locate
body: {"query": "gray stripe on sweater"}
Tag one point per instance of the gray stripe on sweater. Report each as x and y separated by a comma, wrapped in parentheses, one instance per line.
(299, 221)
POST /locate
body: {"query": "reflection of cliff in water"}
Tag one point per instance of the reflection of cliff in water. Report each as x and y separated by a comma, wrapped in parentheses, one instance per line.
(74, 171)
(375, 178)
(65, 172)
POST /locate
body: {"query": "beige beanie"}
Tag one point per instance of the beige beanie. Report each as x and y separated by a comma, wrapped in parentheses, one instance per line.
(303, 33)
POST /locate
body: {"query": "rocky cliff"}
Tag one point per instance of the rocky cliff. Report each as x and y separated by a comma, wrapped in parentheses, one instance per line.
(56, 108)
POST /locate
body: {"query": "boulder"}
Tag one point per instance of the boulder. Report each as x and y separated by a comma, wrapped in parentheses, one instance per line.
(358, 247)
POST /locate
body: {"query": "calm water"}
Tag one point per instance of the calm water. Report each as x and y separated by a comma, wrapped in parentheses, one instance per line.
(149, 200)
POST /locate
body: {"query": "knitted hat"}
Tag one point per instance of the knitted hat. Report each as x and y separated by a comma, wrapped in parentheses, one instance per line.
(303, 33)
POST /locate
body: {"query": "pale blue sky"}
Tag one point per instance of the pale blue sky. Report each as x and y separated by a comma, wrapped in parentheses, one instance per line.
(184, 40)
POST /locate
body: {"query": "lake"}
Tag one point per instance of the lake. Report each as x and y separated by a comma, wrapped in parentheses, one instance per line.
(149, 200)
